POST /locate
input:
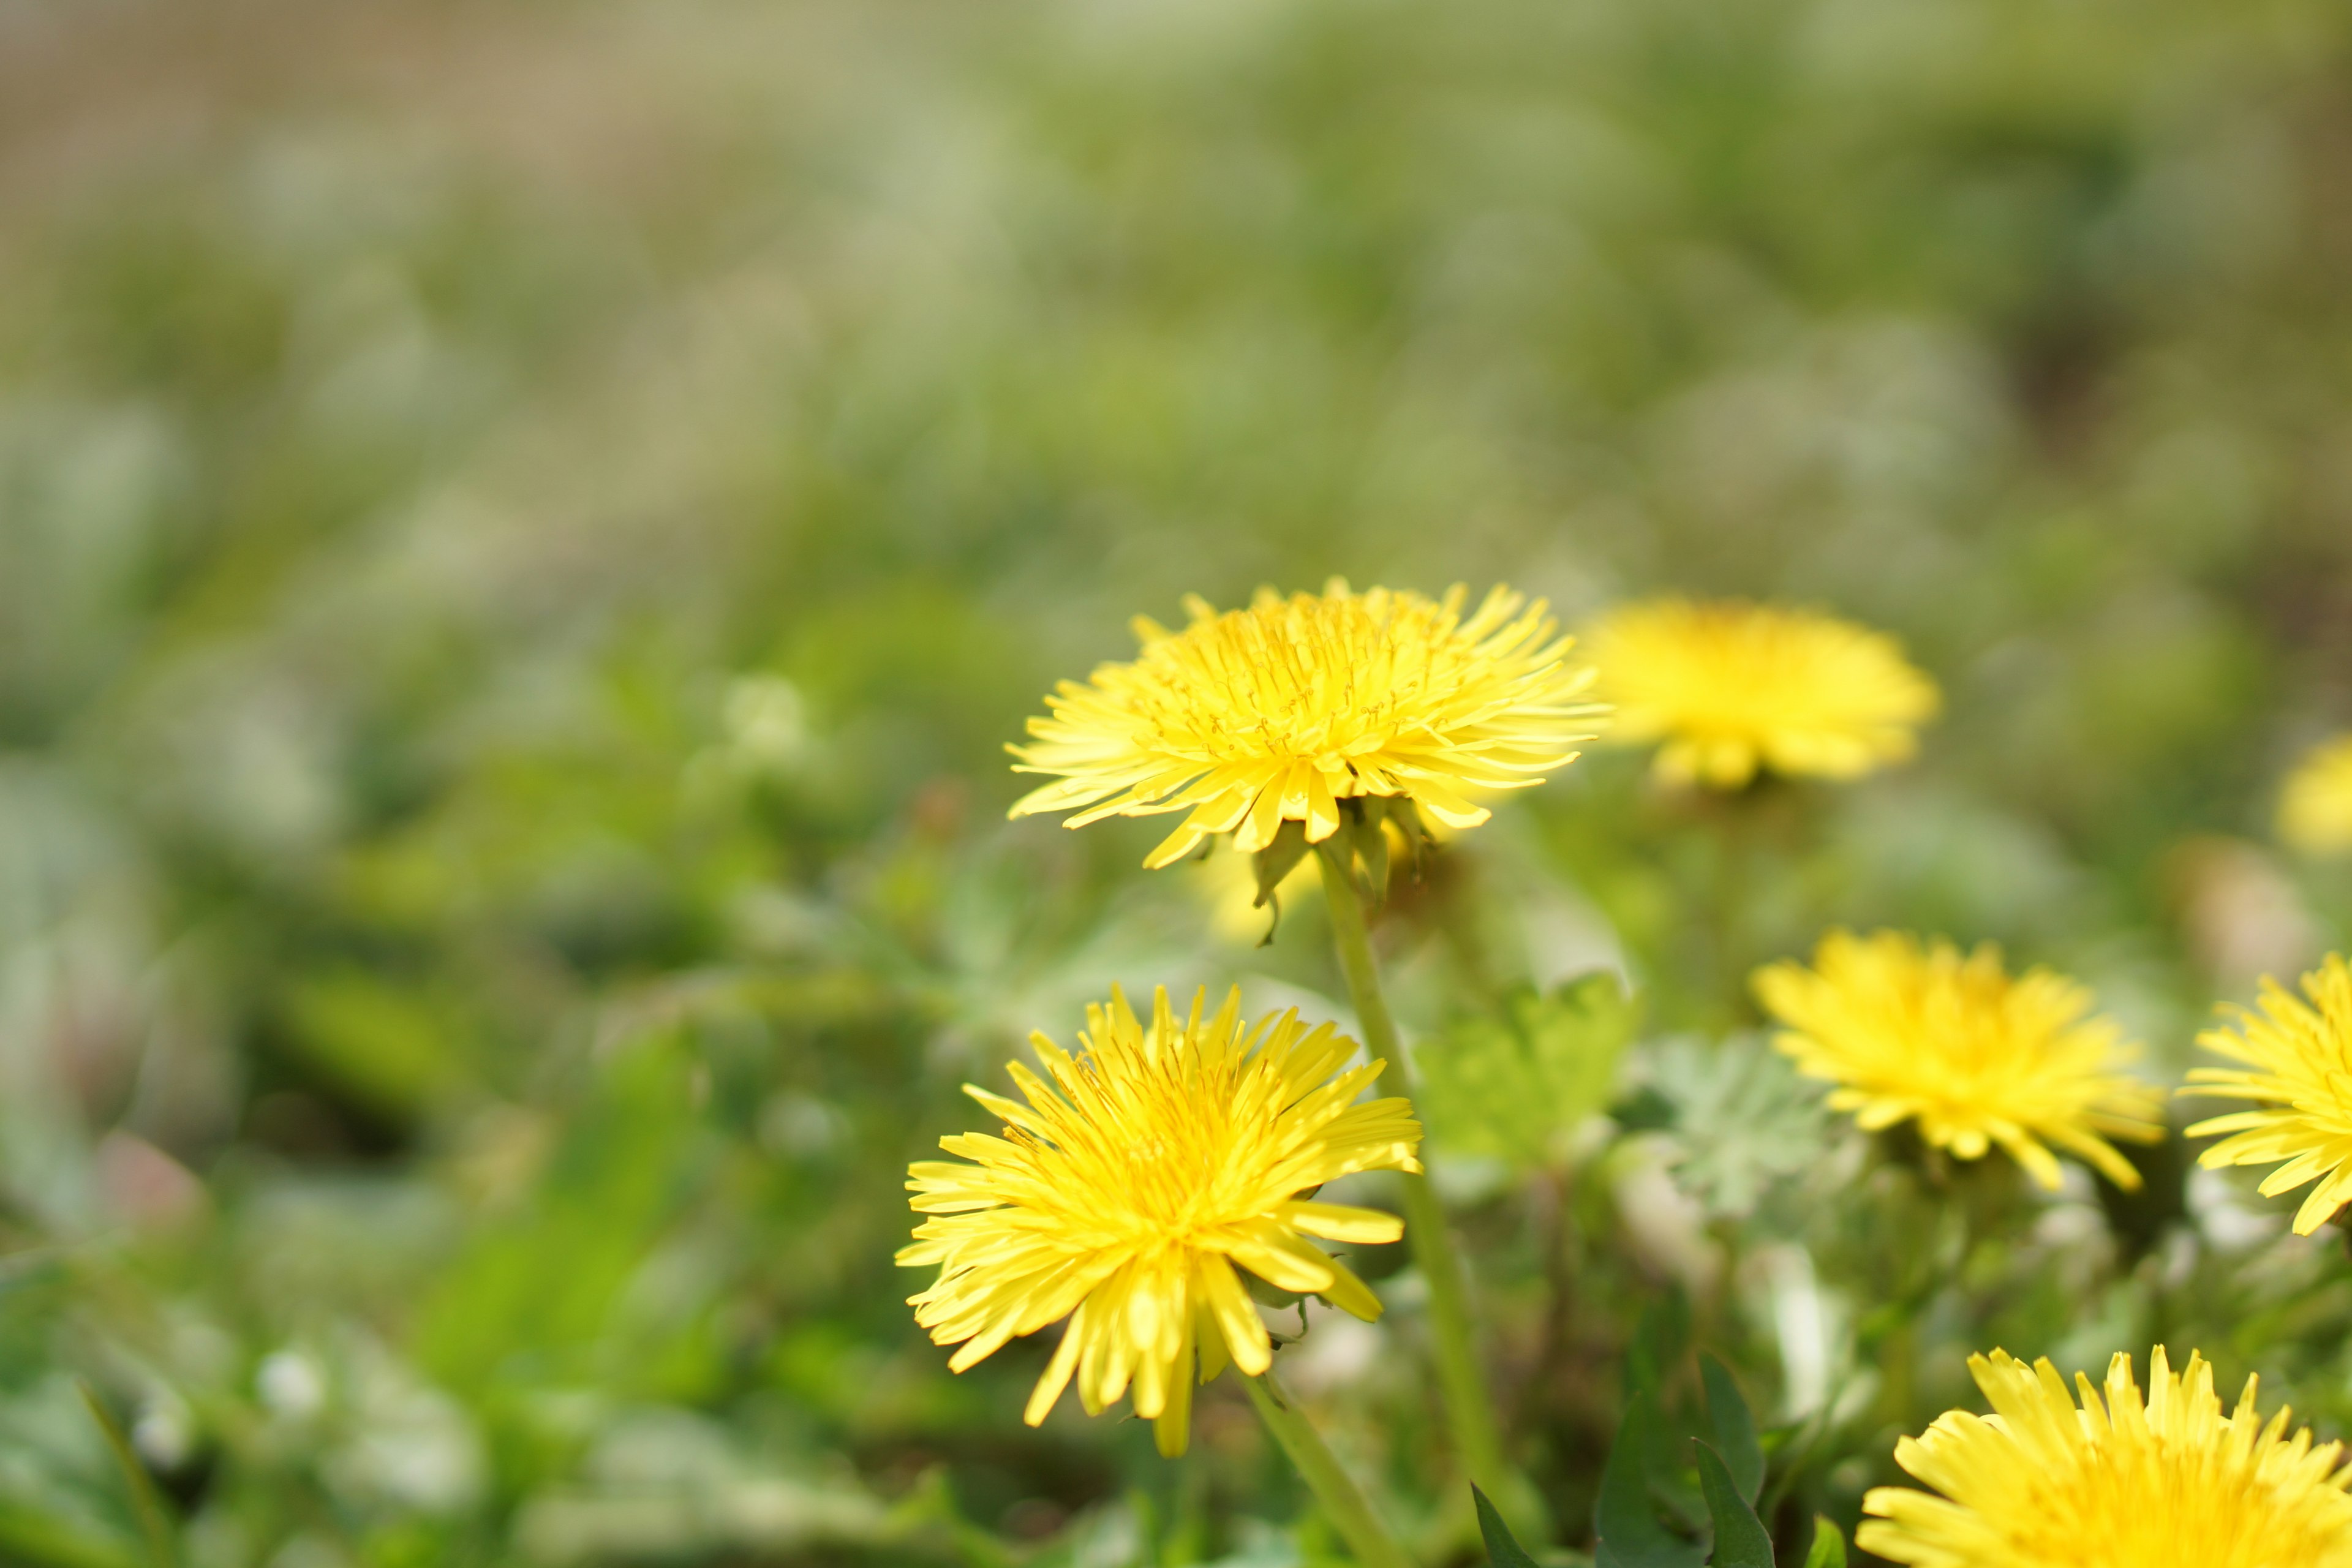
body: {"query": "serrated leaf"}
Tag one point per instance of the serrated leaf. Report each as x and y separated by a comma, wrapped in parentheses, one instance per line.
(1625, 1519)
(1742, 1119)
(1733, 1428)
(1508, 1085)
(1740, 1539)
(1829, 1545)
(1502, 1549)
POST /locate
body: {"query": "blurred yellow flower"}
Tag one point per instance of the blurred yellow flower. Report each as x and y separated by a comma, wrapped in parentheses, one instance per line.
(1277, 713)
(2163, 1481)
(2315, 809)
(2301, 1061)
(1125, 1192)
(1731, 688)
(1977, 1057)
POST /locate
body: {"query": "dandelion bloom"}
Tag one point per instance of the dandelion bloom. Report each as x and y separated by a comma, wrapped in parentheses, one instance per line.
(1277, 713)
(1124, 1194)
(1731, 688)
(1977, 1057)
(2298, 1057)
(2315, 810)
(2163, 1481)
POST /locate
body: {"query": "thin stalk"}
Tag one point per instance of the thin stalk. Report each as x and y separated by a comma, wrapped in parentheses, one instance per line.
(1343, 1501)
(1470, 1411)
(144, 1503)
(1728, 923)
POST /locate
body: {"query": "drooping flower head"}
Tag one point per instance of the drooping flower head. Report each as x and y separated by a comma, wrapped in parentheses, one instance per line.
(2315, 809)
(2163, 1481)
(1278, 714)
(2297, 1053)
(1977, 1058)
(1139, 1175)
(1729, 688)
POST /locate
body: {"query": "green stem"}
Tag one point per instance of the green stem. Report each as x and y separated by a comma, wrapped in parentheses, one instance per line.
(1734, 848)
(1470, 1412)
(144, 1503)
(1343, 1501)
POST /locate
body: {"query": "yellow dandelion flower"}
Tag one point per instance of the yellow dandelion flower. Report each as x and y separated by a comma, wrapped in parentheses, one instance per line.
(2315, 809)
(1279, 712)
(1731, 688)
(2300, 1058)
(1912, 1031)
(1128, 1189)
(2163, 1481)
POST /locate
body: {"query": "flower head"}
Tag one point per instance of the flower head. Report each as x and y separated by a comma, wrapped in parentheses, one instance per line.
(1732, 688)
(1978, 1058)
(2315, 809)
(2298, 1065)
(1278, 714)
(2163, 1481)
(1128, 1189)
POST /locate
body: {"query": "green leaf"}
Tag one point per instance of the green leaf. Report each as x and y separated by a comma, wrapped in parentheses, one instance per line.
(387, 1044)
(1661, 1344)
(1626, 1520)
(1740, 1540)
(1509, 1085)
(1660, 1341)
(1829, 1545)
(32, 1539)
(1502, 1549)
(1733, 1429)
(1742, 1118)
(153, 1521)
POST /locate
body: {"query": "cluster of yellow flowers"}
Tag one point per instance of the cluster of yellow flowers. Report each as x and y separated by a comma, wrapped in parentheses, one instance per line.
(1138, 1175)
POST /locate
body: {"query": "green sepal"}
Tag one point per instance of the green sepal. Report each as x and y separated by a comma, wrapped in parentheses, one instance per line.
(1272, 864)
(1829, 1545)
(1400, 810)
(1278, 859)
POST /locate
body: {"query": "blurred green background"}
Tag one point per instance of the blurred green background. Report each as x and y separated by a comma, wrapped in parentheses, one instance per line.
(524, 529)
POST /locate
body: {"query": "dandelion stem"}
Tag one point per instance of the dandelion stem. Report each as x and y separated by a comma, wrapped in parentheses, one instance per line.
(1470, 1410)
(1343, 1501)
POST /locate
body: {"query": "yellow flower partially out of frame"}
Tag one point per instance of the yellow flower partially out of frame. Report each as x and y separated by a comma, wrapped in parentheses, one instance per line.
(1277, 713)
(2297, 1057)
(2163, 1481)
(2316, 808)
(1729, 688)
(1138, 1176)
(1977, 1057)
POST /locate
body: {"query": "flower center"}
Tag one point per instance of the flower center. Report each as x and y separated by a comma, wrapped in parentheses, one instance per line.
(2171, 1505)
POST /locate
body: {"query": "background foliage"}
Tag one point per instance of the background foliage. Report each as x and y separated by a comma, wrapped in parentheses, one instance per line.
(523, 529)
